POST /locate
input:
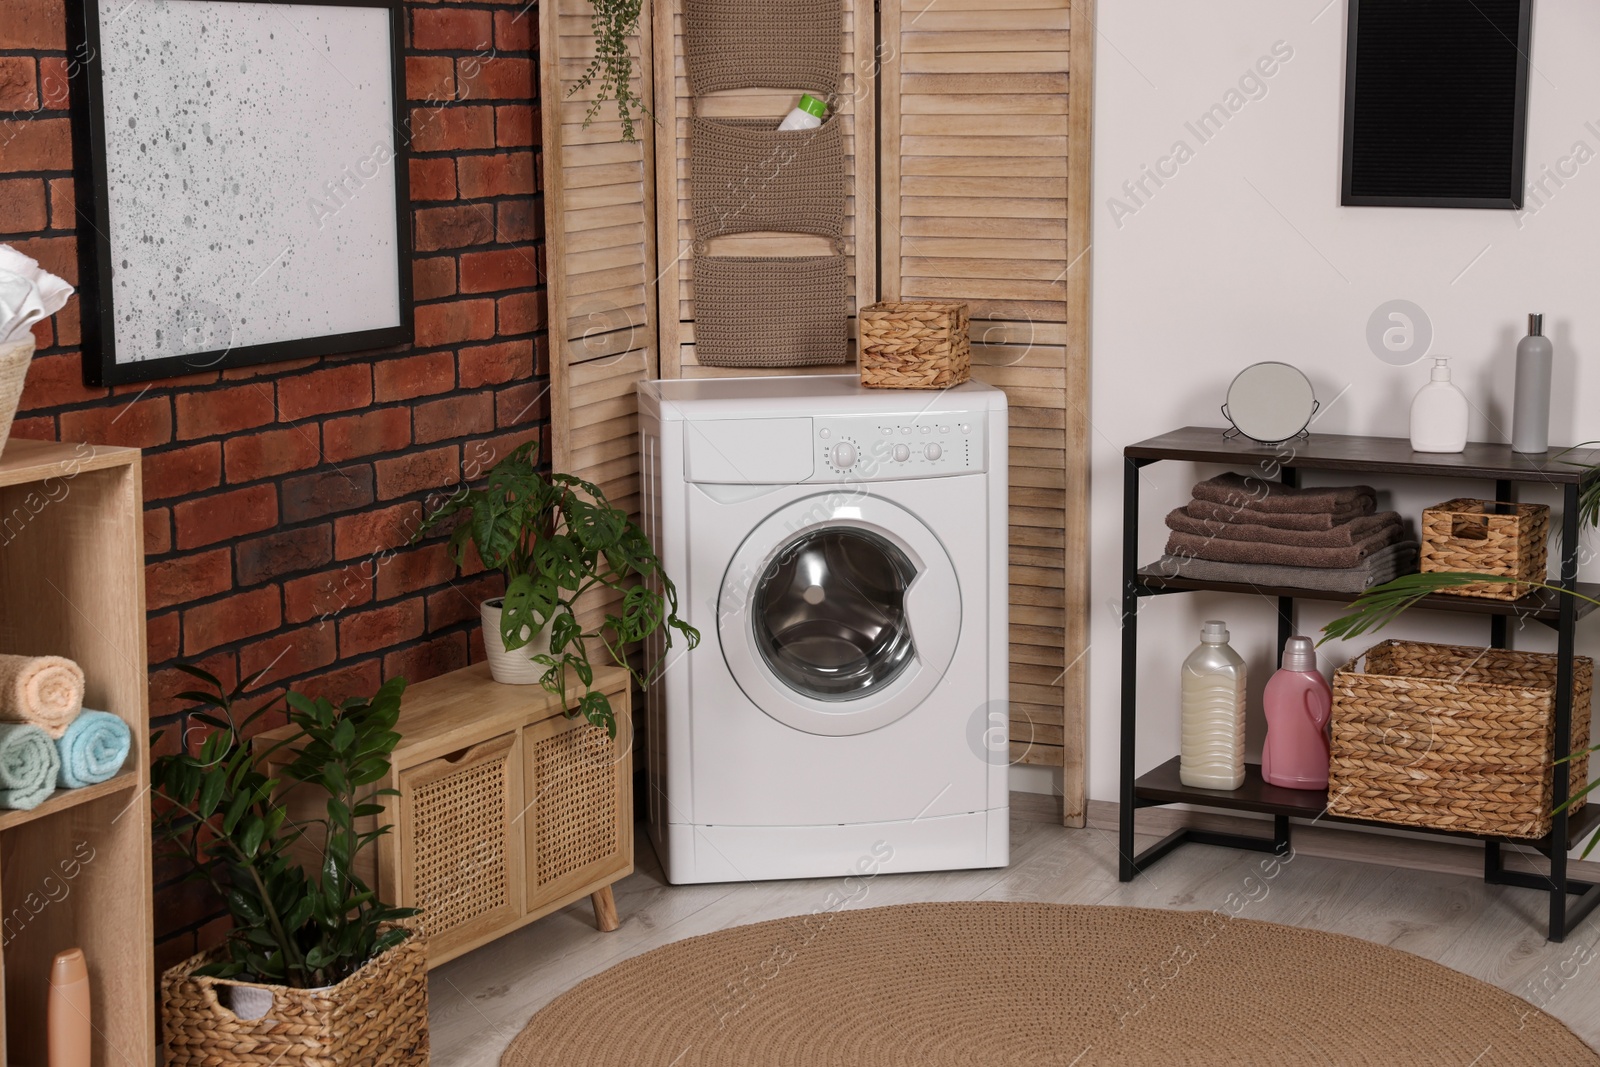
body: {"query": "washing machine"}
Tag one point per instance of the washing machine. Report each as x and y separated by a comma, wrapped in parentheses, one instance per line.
(843, 553)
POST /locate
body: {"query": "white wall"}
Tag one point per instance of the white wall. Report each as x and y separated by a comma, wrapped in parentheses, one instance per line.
(1246, 255)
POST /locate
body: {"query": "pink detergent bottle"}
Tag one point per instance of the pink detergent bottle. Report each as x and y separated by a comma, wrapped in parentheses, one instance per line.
(1298, 703)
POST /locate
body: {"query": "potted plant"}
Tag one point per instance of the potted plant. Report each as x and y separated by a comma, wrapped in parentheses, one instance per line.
(556, 538)
(611, 69)
(318, 969)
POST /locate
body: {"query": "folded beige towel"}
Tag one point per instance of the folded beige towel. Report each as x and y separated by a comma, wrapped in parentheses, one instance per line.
(1337, 536)
(46, 691)
(1279, 520)
(1225, 551)
(1256, 492)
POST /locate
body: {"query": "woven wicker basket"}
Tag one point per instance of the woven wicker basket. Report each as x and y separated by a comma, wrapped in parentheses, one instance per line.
(378, 1017)
(1453, 738)
(1466, 537)
(915, 345)
(15, 359)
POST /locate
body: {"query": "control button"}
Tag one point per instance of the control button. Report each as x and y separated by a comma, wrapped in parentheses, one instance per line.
(824, 434)
(966, 427)
(844, 455)
(927, 429)
(932, 450)
(901, 453)
(887, 431)
(944, 429)
(905, 429)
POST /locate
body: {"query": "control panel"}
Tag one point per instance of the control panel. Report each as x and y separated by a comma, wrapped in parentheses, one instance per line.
(882, 447)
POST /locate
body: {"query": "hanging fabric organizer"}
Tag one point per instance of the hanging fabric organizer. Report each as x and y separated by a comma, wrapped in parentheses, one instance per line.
(757, 44)
(748, 177)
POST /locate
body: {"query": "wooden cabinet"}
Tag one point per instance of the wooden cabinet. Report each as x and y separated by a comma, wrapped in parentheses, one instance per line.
(75, 871)
(507, 810)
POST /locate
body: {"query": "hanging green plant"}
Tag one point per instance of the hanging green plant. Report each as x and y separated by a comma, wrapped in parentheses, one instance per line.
(611, 69)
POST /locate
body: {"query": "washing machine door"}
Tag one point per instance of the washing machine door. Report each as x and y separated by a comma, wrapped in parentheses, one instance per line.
(839, 614)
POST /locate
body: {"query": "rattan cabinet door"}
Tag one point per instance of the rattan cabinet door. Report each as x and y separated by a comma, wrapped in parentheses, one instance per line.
(460, 844)
(579, 822)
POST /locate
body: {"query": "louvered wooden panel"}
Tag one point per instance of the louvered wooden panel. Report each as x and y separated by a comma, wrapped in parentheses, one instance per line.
(984, 170)
(855, 108)
(601, 230)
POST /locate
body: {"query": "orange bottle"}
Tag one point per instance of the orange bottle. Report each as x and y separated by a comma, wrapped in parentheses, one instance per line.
(69, 1010)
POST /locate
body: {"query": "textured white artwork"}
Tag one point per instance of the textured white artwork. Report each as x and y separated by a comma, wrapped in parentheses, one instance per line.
(249, 160)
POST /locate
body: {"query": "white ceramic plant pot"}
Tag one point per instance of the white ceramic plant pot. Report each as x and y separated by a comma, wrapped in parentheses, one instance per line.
(250, 1002)
(515, 666)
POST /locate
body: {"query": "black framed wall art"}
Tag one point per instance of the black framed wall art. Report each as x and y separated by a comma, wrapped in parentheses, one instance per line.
(1436, 103)
(242, 182)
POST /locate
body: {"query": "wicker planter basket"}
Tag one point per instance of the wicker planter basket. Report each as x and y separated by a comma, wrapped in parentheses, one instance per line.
(914, 345)
(1468, 537)
(378, 1017)
(15, 359)
(1453, 738)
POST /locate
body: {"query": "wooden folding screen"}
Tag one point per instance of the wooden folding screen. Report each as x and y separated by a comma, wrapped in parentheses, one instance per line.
(968, 134)
(984, 166)
(600, 256)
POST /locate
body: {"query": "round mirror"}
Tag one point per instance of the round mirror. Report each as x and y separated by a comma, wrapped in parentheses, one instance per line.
(1270, 402)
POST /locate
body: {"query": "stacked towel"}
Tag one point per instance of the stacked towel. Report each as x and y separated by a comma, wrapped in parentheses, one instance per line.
(1256, 532)
(93, 750)
(29, 764)
(44, 691)
(1384, 565)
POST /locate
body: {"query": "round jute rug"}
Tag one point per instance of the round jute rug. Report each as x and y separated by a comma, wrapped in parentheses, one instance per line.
(977, 984)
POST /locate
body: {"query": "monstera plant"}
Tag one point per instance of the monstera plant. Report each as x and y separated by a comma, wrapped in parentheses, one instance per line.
(556, 538)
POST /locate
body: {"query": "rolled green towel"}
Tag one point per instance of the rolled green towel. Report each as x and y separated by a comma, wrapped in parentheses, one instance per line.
(93, 749)
(29, 764)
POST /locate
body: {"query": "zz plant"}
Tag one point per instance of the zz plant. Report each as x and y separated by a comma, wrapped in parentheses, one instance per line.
(555, 538)
(611, 69)
(219, 810)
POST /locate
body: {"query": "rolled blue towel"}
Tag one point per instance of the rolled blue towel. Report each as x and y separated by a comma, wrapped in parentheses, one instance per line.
(93, 749)
(29, 764)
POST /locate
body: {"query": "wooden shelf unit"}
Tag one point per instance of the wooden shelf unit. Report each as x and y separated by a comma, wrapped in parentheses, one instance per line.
(1362, 456)
(75, 872)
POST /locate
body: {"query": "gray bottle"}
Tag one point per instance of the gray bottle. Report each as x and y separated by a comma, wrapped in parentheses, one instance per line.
(1530, 420)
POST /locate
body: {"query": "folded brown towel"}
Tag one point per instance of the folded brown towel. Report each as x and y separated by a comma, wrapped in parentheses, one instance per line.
(45, 691)
(1225, 551)
(1256, 492)
(1384, 565)
(1279, 520)
(1344, 533)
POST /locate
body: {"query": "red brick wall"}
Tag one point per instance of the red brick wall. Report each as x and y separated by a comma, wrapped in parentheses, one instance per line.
(279, 498)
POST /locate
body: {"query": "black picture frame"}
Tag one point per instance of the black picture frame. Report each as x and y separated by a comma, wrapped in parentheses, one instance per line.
(97, 271)
(1515, 160)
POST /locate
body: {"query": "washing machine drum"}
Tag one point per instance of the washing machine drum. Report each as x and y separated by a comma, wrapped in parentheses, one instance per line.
(842, 620)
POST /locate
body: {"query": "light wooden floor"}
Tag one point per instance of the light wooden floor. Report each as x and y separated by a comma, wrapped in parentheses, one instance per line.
(480, 1001)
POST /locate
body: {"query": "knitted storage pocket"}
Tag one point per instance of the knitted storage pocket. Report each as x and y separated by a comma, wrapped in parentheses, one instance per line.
(770, 311)
(747, 177)
(758, 44)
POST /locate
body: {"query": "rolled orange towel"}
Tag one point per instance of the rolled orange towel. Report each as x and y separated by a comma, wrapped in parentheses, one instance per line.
(46, 691)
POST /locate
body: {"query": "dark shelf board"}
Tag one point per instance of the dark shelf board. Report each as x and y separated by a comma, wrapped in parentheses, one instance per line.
(1163, 786)
(1368, 455)
(1542, 605)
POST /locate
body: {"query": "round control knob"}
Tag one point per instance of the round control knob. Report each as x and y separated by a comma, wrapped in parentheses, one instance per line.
(933, 450)
(844, 455)
(901, 453)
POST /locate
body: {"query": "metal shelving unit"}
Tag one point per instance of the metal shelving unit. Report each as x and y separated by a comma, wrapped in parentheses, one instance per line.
(1570, 900)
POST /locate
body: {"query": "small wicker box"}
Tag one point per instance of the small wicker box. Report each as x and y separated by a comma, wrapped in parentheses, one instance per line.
(1485, 537)
(915, 345)
(1453, 738)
